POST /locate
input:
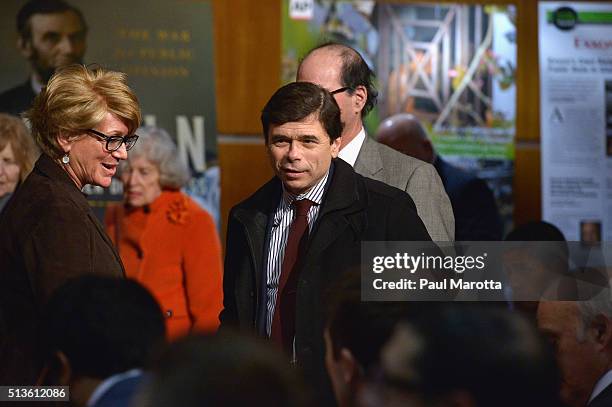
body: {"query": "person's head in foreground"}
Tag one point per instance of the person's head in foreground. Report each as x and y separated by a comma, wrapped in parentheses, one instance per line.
(17, 153)
(581, 332)
(223, 370)
(302, 129)
(152, 166)
(463, 355)
(354, 335)
(85, 120)
(97, 327)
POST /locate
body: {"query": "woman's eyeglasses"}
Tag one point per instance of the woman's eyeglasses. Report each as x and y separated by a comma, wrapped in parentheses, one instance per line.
(113, 143)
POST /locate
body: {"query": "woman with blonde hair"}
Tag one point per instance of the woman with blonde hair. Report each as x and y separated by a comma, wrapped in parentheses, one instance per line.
(17, 155)
(84, 121)
(165, 240)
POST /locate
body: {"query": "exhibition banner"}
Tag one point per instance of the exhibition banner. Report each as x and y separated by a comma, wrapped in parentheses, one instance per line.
(451, 65)
(576, 118)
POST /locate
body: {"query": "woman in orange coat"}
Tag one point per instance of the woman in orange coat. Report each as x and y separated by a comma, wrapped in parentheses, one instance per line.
(165, 240)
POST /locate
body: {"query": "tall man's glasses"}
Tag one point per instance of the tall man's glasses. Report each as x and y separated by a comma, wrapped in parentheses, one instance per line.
(340, 90)
(113, 143)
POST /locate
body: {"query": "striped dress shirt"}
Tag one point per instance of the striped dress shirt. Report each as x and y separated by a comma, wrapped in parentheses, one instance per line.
(283, 217)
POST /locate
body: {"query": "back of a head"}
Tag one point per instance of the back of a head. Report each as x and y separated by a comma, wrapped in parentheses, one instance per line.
(536, 231)
(361, 327)
(404, 133)
(223, 370)
(103, 325)
(494, 355)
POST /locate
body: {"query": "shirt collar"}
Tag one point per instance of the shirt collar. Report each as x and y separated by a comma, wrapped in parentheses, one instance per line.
(350, 151)
(315, 194)
(601, 385)
(109, 382)
(36, 86)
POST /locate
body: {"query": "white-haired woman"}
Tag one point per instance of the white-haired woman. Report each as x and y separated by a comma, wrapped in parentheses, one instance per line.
(165, 240)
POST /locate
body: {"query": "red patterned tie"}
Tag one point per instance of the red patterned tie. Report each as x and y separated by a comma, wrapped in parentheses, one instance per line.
(283, 323)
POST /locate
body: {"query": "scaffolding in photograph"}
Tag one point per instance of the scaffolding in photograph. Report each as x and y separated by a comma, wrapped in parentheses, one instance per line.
(430, 65)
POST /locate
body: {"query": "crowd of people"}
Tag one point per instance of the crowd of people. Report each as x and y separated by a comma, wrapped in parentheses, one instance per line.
(139, 310)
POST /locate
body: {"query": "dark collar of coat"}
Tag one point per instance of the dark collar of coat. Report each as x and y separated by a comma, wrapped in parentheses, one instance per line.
(344, 192)
(345, 195)
(50, 169)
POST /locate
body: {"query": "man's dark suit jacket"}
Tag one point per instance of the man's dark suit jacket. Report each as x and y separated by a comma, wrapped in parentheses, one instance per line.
(18, 99)
(354, 209)
(476, 214)
(48, 234)
(603, 399)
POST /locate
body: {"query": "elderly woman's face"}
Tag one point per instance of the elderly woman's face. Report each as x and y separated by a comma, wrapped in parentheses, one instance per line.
(9, 171)
(90, 161)
(140, 182)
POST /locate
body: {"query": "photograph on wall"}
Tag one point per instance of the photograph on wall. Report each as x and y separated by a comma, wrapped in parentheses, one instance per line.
(576, 118)
(165, 47)
(450, 65)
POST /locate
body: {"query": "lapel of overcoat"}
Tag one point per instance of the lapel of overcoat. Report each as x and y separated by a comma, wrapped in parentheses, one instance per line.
(255, 218)
(343, 206)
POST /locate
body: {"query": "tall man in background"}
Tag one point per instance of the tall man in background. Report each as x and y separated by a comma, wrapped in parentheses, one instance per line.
(51, 34)
(343, 72)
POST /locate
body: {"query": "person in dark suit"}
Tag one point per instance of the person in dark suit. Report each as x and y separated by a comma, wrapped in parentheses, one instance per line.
(84, 123)
(476, 214)
(51, 34)
(581, 332)
(98, 334)
(275, 278)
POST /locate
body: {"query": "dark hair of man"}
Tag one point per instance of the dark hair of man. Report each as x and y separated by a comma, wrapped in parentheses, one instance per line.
(103, 325)
(222, 370)
(536, 231)
(359, 326)
(495, 355)
(43, 7)
(355, 72)
(296, 101)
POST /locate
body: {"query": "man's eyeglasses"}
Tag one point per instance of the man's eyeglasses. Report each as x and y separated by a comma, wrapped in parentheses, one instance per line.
(340, 90)
(113, 143)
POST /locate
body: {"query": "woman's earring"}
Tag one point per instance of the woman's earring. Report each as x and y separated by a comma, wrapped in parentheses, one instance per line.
(66, 159)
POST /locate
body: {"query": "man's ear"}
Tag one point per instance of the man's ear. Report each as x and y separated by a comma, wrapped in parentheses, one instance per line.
(602, 330)
(360, 97)
(56, 372)
(25, 47)
(335, 146)
(349, 366)
(429, 150)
